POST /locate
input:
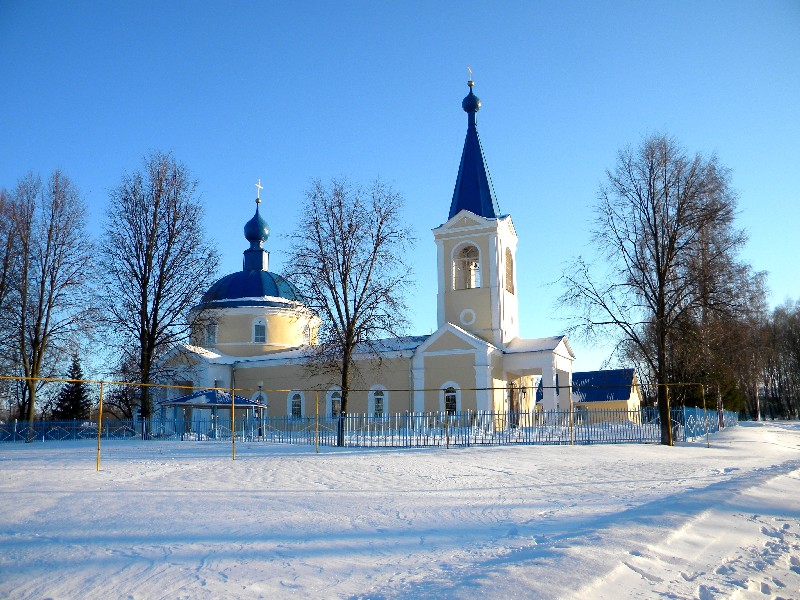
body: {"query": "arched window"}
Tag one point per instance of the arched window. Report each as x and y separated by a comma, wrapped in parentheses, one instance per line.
(261, 398)
(211, 334)
(450, 398)
(378, 402)
(509, 271)
(259, 331)
(467, 268)
(334, 402)
(295, 403)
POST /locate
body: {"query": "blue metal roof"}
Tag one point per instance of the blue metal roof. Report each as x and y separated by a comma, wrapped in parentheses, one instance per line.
(602, 386)
(253, 284)
(250, 284)
(210, 399)
(473, 191)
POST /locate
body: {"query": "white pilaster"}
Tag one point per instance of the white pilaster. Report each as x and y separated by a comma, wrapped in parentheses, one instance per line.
(549, 397)
(418, 374)
(443, 264)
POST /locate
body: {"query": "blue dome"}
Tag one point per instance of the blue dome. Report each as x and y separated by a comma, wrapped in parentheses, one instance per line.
(231, 290)
(256, 230)
(471, 103)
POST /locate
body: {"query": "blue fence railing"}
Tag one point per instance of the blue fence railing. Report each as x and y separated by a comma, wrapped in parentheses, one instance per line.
(469, 428)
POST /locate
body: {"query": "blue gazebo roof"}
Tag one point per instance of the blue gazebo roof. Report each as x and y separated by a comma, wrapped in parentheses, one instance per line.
(211, 399)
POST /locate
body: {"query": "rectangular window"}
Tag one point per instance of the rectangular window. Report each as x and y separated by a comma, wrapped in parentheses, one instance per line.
(211, 334)
(297, 409)
(378, 406)
(259, 333)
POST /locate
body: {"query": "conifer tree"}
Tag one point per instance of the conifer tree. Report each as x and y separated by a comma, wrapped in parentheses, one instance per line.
(73, 401)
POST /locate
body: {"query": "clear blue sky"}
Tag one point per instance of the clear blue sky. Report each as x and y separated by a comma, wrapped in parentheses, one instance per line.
(289, 91)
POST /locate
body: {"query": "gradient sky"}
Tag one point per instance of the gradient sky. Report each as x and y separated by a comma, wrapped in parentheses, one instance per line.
(290, 91)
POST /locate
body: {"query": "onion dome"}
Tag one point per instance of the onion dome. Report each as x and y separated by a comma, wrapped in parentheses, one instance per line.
(256, 230)
(471, 104)
(254, 285)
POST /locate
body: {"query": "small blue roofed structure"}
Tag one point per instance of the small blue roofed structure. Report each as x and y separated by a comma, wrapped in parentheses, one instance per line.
(189, 414)
(613, 385)
(211, 399)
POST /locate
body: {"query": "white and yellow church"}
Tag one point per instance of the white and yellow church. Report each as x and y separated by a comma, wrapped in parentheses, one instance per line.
(255, 332)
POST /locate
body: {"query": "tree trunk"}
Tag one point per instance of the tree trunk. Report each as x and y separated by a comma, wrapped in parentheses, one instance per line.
(345, 382)
(663, 391)
(30, 386)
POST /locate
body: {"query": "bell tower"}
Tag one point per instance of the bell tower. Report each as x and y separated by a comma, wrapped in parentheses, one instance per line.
(476, 249)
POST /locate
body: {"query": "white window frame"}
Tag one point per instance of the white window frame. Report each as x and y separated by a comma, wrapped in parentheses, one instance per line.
(371, 401)
(443, 389)
(210, 334)
(329, 401)
(289, 398)
(473, 281)
(256, 323)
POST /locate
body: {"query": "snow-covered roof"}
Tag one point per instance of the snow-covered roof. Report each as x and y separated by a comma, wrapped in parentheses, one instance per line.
(210, 399)
(385, 346)
(545, 344)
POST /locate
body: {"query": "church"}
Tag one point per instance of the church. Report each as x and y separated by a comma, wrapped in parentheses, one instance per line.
(251, 330)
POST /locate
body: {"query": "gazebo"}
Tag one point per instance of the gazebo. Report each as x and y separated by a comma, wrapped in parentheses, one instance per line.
(209, 412)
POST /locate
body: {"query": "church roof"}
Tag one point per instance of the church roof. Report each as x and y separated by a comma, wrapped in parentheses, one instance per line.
(254, 285)
(602, 386)
(249, 287)
(473, 191)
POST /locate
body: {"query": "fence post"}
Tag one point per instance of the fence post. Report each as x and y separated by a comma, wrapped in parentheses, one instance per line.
(316, 436)
(705, 414)
(233, 419)
(99, 425)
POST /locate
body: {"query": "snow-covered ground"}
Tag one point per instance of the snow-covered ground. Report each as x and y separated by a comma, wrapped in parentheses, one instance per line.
(182, 520)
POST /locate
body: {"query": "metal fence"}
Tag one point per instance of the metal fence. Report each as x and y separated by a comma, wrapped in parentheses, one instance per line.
(405, 430)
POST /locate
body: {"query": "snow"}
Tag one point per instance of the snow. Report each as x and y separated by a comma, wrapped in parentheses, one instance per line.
(182, 520)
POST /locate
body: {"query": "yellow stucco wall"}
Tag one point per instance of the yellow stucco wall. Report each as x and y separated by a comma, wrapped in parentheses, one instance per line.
(458, 368)
(279, 381)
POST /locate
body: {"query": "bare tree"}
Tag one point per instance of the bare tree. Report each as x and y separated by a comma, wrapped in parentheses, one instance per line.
(348, 260)
(781, 368)
(8, 250)
(51, 272)
(666, 243)
(156, 262)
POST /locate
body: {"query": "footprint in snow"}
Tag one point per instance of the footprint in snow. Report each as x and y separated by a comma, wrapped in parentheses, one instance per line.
(724, 570)
(794, 564)
(770, 532)
(705, 592)
(649, 577)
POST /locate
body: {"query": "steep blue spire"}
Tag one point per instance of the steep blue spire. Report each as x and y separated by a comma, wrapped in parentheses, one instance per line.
(474, 190)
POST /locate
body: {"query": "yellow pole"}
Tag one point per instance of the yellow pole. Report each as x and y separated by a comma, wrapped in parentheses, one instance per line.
(316, 438)
(99, 425)
(233, 422)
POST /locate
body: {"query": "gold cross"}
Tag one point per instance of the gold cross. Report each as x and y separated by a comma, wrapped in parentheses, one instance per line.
(259, 187)
(470, 72)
